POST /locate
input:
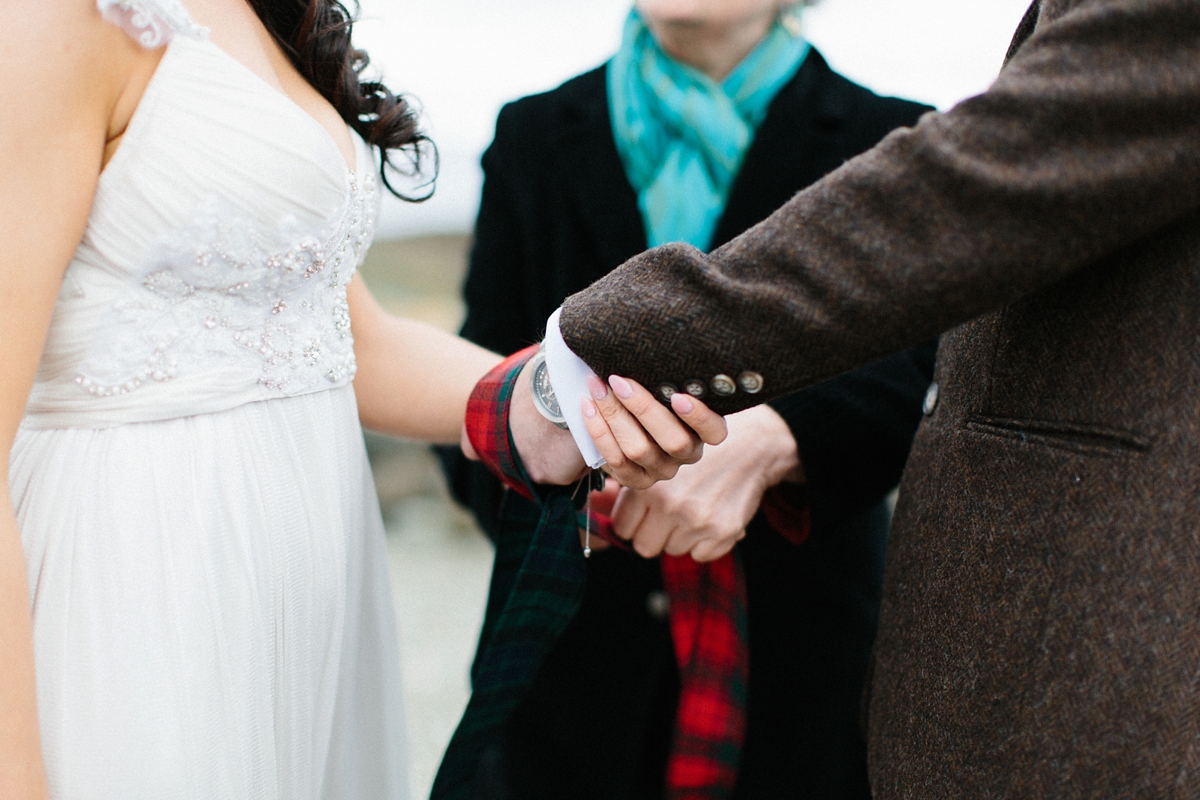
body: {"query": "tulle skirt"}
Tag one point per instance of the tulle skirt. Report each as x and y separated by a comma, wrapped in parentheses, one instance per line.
(212, 615)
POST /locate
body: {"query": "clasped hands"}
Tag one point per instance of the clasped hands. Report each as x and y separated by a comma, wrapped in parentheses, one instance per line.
(641, 440)
(704, 510)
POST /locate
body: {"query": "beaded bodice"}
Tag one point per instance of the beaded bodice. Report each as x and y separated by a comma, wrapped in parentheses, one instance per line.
(214, 266)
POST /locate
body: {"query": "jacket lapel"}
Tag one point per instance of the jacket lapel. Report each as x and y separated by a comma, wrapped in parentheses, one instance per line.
(804, 118)
(588, 161)
(1025, 29)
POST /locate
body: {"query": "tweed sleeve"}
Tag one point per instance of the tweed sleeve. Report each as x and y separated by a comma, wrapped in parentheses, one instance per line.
(1088, 141)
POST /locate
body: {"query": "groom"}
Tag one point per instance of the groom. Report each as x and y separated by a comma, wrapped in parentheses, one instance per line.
(1040, 634)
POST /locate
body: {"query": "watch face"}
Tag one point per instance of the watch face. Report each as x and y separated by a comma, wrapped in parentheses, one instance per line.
(544, 391)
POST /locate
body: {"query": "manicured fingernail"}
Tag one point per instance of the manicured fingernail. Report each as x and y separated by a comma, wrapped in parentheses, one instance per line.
(589, 408)
(682, 403)
(597, 387)
(620, 386)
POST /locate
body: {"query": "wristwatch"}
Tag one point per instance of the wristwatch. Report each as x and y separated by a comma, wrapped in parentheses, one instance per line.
(543, 393)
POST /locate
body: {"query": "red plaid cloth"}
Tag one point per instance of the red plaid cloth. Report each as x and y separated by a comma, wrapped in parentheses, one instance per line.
(707, 611)
(487, 421)
(712, 648)
(708, 625)
(790, 519)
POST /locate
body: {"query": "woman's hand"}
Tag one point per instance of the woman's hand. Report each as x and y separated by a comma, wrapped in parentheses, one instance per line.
(705, 509)
(642, 441)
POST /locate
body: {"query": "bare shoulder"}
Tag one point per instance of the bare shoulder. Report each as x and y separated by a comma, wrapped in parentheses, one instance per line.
(65, 59)
(65, 70)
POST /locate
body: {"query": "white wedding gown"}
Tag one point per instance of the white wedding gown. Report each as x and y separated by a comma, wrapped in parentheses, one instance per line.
(212, 615)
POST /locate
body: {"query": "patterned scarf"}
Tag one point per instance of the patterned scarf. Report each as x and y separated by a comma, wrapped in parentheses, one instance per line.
(681, 135)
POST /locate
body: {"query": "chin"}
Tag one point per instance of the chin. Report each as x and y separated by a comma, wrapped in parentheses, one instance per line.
(704, 12)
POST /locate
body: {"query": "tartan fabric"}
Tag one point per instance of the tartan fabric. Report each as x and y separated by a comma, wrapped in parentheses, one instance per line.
(786, 508)
(709, 628)
(537, 584)
(537, 587)
(708, 618)
(487, 421)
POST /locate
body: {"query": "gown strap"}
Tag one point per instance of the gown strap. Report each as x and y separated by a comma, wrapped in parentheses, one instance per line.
(153, 23)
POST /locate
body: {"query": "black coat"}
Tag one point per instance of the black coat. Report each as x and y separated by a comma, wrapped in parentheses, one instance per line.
(558, 213)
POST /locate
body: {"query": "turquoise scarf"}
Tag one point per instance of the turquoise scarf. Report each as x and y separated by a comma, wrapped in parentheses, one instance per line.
(681, 135)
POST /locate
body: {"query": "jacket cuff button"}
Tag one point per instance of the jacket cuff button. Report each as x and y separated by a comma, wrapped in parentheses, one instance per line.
(751, 382)
(723, 385)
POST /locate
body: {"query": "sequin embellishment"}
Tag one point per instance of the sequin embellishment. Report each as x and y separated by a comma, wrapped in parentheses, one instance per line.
(224, 297)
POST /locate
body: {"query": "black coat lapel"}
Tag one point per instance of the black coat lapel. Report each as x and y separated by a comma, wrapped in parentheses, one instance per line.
(803, 137)
(796, 144)
(586, 158)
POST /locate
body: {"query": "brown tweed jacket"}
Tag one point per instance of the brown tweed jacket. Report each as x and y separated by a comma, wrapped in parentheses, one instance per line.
(1040, 634)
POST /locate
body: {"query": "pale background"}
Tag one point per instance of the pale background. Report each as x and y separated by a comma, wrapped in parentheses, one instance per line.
(463, 59)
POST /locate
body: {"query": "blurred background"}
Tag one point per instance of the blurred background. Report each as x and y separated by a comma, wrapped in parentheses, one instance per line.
(461, 60)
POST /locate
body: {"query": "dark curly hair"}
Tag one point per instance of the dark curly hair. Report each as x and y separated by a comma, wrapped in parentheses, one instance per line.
(315, 35)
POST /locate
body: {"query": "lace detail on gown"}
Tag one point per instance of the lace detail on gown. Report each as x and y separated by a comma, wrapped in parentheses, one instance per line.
(152, 22)
(224, 296)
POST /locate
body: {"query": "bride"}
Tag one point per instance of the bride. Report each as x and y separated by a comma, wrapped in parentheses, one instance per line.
(192, 555)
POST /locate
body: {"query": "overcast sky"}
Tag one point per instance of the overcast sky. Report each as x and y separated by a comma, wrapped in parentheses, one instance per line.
(463, 59)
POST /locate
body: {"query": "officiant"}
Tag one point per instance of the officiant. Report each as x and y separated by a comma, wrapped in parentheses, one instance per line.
(709, 117)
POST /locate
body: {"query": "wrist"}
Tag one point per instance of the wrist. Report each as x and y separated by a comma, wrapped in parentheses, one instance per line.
(765, 437)
(547, 452)
(487, 424)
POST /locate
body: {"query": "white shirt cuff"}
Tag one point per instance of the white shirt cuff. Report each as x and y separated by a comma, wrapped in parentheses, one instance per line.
(568, 375)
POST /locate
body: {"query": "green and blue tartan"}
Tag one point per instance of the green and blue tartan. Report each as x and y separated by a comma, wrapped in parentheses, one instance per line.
(537, 588)
(537, 583)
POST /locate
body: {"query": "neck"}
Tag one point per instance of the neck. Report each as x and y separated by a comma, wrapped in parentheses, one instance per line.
(715, 50)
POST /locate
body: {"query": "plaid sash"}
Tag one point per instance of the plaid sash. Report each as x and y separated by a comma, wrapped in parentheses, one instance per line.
(711, 639)
(537, 583)
(536, 590)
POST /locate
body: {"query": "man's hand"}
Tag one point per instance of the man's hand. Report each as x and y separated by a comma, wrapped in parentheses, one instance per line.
(705, 509)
